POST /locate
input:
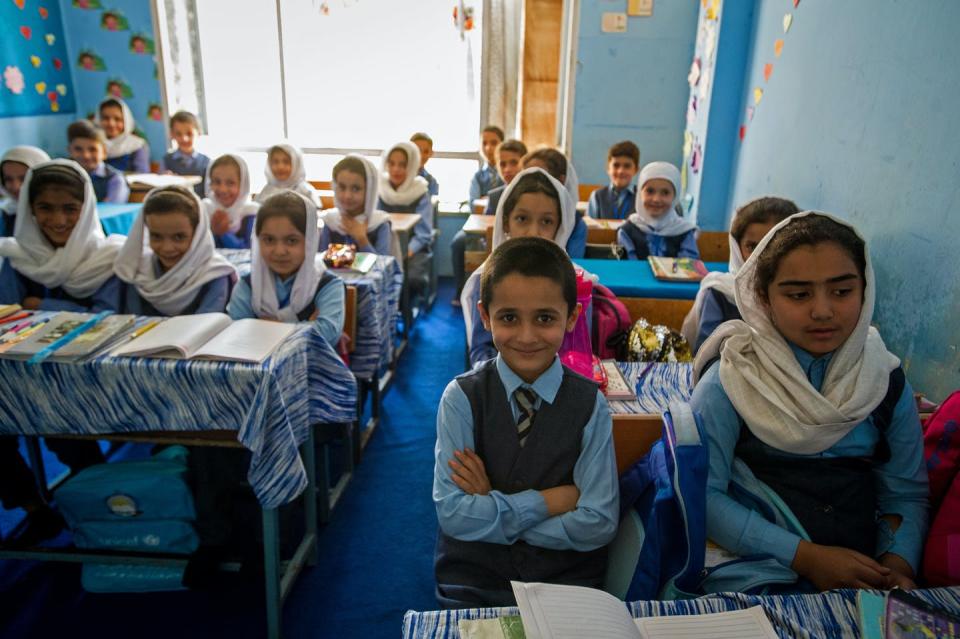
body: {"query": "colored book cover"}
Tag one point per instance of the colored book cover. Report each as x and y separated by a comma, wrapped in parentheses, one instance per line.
(677, 269)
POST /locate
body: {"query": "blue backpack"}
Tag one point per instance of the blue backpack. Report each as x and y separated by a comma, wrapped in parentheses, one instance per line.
(663, 509)
(143, 506)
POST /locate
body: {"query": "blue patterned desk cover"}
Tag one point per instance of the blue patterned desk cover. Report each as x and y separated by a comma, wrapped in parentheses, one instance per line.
(118, 217)
(378, 301)
(634, 278)
(665, 383)
(831, 615)
(270, 404)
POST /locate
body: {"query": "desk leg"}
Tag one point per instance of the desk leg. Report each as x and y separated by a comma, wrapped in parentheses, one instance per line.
(271, 571)
(310, 496)
(36, 464)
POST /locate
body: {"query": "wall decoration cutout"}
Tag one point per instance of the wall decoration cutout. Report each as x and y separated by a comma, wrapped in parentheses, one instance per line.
(767, 71)
(29, 61)
(154, 112)
(118, 89)
(694, 76)
(757, 95)
(87, 4)
(142, 44)
(90, 61)
(114, 21)
(787, 21)
(778, 47)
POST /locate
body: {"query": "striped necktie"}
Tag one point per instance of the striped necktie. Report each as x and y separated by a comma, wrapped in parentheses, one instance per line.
(526, 399)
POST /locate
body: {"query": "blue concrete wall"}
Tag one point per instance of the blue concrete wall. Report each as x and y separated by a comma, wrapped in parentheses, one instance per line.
(631, 86)
(858, 119)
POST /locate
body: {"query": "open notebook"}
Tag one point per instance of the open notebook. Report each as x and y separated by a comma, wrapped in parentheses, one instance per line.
(550, 611)
(209, 336)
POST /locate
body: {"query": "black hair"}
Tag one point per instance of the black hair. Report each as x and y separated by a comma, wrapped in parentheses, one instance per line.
(420, 136)
(531, 183)
(497, 131)
(56, 176)
(185, 117)
(555, 161)
(226, 160)
(810, 230)
(530, 257)
(762, 210)
(353, 165)
(173, 199)
(514, 146)
(625, 149)
(110, 102)
(87, 130)
(284, 204)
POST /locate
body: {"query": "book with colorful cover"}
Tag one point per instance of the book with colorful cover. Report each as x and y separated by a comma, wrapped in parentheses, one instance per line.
(617, 386)
(677, 269)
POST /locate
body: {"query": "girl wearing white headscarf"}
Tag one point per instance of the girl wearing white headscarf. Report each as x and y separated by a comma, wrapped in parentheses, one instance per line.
(715, 302)
(532, 180)
(296, 180)
(832, 438)
(656, 229)
(231, 220)
(366, 227)
(126, 151)
(311, 293)
(557, 165)
(201, 279)
(73, 272)
(13, 169)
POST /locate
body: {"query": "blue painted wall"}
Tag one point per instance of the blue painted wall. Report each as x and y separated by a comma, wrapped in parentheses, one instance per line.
(631, 86)
(858, 119)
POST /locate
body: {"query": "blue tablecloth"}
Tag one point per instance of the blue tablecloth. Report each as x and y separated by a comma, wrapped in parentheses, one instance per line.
(378, 299)
(634, 278)
(831, 615)
(663, 384)
(270, 404)
(118, 218)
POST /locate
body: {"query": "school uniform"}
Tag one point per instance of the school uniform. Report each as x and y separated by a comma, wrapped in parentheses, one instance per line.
(379, 229)
(75, 277)
(669, 235)
(433, 187)
(242, 212)
(479, 340)
(297, 181)
(610, 203)
(716, 301)
(127, 152)
(181, 163)
(109, 184)
(28, 156)
(412, 196)
(493, 199)
(486, 541)
(295, 299)
(825, 433)
(483, 181)
(199, 283)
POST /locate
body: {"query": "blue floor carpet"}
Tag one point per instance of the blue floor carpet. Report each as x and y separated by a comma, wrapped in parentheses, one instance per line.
(376, 555)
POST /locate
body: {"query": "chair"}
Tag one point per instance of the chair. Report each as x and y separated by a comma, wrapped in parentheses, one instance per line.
(584, 191)
(714, 246)
(473, 259)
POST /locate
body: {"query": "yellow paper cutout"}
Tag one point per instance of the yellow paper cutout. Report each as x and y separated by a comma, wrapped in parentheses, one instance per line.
(757, 95)
(50, 38)
(40, 87)
(54, 106)
(35, 61)
(62, 89)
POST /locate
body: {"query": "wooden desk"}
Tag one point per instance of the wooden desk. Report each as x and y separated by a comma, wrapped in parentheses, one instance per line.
(480, 205)
(602, 231)
(326, 198)
(139, 189)
(633, 435)
(478, 224)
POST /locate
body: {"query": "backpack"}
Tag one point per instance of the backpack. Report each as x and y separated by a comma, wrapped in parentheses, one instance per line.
(611, 325)
(941, 448)
(668, 509)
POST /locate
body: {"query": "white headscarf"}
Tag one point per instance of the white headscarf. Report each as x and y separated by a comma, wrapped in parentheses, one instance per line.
(669, 224)
(413, 186)
(29, 156)
(263, 290)
(298, 175)
(723, 282)
(242, 206)
(572, 183)
(83, 264)
(769, 388)
(174, 290)
(127, 142)
(568, 218)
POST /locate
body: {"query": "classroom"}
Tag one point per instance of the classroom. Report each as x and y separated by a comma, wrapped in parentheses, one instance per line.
(272, 273)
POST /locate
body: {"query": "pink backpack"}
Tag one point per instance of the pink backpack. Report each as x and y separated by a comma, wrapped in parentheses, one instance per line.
(941, 447)
(611, 325)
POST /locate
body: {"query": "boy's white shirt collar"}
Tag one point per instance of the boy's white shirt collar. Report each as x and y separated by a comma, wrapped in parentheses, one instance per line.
(769, 388)
(29, 156)
(547, 385)
(242, 206)
(174, 290)
(413, 187)
(83, 264)
(669, 224)
(127, 142)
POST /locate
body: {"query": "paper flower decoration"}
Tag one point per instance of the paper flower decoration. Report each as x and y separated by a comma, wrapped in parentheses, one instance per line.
(119, 89)
(13, 80)
(87, 4)
(141, 44)
(154, 112)
(114, 21)
(90, 61)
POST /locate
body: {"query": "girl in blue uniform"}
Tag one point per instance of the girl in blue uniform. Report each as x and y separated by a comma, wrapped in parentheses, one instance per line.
(656, 229)
(228, 204)
(356, 219)
(126, 151)
(178, 271)
(13, 169)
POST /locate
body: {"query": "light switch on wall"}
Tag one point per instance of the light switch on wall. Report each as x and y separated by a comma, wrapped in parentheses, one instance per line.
(614, 23)
(642, 8)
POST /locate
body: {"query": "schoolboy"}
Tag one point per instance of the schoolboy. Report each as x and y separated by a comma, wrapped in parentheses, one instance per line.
(509, 163)
(425, 143)
(185, 159)
(525, 481)
(486, 178)
(616, 200)
(87, 145)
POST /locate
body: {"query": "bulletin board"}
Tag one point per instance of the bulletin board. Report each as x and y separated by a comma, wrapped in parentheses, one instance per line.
(33, 59)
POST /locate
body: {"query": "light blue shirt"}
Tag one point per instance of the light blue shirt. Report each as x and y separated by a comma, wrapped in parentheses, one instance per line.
(577, 242)
(657, 244)
(433, 187)
(14, 287)
(901, 482)
(505, 519)
(329, 302)
(484, 180)
(480, 339)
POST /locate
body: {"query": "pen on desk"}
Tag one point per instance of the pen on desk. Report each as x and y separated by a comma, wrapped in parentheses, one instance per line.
(643, 374)
(33, 329)
(15, 317)
(143, 329)
(676, 264)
